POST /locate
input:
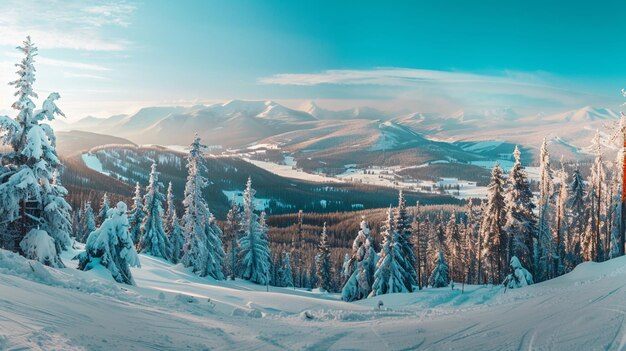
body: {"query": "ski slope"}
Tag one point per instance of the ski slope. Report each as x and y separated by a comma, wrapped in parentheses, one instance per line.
(44, 309)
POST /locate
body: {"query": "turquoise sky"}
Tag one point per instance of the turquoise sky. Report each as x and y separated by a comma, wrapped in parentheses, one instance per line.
(107, 57)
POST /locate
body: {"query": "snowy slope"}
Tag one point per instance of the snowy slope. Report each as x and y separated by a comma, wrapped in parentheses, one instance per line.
(43, 309)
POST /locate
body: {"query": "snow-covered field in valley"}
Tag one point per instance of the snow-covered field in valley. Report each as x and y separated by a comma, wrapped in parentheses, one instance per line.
(44, 308)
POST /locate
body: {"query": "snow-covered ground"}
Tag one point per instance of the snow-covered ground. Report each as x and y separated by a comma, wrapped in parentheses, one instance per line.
(44, 309)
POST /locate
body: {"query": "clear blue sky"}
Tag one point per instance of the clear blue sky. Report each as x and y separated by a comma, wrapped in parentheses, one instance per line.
(106, 57)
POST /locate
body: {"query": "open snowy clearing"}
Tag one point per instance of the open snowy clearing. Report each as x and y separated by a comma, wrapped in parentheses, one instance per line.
(43, 308)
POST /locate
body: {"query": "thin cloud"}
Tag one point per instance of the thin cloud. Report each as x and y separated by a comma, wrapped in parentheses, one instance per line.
(450, 88)
(83, 75)
(41, 60)
(393, 77)
(77, 25)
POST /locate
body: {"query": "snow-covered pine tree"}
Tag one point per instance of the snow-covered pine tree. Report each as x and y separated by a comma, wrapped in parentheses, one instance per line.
(285, 274)
(88, 223)
(521, 222)
(520, 277)
(104, 209)
(560, 219)
(33, 211)
(170, 207)
(153, 239)
(403, 228)
(361, 266)
(455, 249)
(577, 221)
(136, 215)
(417, 237)
(439, 277)
(593, 247)
(76, 221)
(297, 245)
(176, 238)
(616, 205)
(492, 234)
(203, 250)
(390, 275)
(231, 238)
(112, 247)
(57, 213)
(545, 245)
(254, 250)
(322, 260)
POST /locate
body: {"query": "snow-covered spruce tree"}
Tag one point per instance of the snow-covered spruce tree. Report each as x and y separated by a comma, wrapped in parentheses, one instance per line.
(520, 277)
(577, 222)
(360, 267)
(153, 239)
(521, 222)
(560, 220)
(57, 213)
(231, 238)
(176, 238)
(136, 215)
(439, 277)
(112, 247)
(322, 259)
(173, 229)
(77, 216)
(403, 228)
(88, 222)
(297, 245)
(285, 274)
(592, 243)
(613, 245)
(492, 234)
(203, 250)
(104, 209)
(170, 207)
(455, 249)
(545, 244)
(33, 211)
(390, 275)
(253, 245)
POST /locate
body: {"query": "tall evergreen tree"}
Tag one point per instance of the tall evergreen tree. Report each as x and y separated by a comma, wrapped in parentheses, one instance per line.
(454, 247)
(545, 244)
(322, 260)
(577, 222)
(253, 245)
(403, 228)
(32, 204)
(170, 207)
(176, 238)
(203, 250)
(439, 278)
(153, 239)
(88, 223)
(390, 275)
(137, 214)
(560, 220)
(521, 222)
(285, 274)
(231, 236)
(104, 209)
(614, 207)
(492, 234)
(360, 267)
(593, 243)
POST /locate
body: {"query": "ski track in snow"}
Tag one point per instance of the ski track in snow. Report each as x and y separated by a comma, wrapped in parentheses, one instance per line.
(74, 310)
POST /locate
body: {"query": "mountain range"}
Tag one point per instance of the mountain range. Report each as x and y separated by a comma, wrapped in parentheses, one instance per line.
(320, 138)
